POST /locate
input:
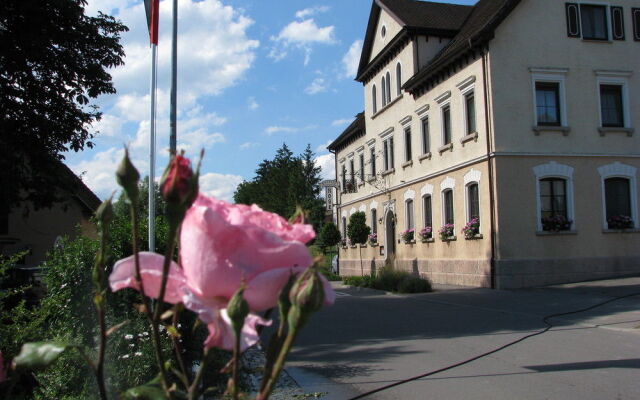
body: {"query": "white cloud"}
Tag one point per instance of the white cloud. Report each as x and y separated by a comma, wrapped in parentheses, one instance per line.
(342, 121)
(220, 186)
(301, 35)
(252, 103)
(307, 12)
(317, 86)
(351, 59)
(327, 164)
(109, 125)
(277, 129)
(248, 145)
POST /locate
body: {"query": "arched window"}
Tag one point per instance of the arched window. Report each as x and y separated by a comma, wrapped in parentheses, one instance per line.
(374, 221)
(384, 92)
(409, 214)
(617, 197)
(447, 206)
(344, 227)
(473, 202)
(398, 79)
(553, 204)
(374, 101)
(427, 217)
(388, 87)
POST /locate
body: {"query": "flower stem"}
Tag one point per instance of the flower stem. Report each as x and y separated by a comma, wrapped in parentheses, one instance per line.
(99, 303)
(279, 364)
(193, 390)
(236, 362)
(178, 349)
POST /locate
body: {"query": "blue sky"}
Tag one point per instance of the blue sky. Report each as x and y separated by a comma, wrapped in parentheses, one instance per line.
(253, 74)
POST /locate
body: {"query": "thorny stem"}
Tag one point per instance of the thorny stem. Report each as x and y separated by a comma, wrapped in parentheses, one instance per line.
(236, 362)
(145, 300)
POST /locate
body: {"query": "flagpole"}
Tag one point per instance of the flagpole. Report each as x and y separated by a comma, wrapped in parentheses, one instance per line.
(174, 79)
(152, 150)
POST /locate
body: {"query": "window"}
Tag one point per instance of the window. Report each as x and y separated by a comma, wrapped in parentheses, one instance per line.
(593, 19)
(374, 221)
(619, 196)
(374, 101)
(344, 227)
(617, 23)
(447, 201)
(407, 144)
(352, 171)
(446, 124)
(410, 221)
(617, 202)
(553, 204)
(384, 91)
(387, 154)
(470, 112)
(554, 197)
(344, 178)
(427, 218)
(473, 202)
(425, 136)
(362, 167)
(388, 87)
(373, 161)
(611, 106)
(635, 19)
(548, 103)
(398, 79)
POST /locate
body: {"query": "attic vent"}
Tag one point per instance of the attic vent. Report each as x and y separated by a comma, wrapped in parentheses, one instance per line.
(383, 31)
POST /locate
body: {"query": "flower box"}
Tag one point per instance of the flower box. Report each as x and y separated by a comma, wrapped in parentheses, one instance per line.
(426, 233)
(556, 223)
(408, 236)
(471, 229)
(620, 222)
(446, 232)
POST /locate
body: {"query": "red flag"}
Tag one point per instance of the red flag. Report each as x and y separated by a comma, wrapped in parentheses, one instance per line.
(152, 8)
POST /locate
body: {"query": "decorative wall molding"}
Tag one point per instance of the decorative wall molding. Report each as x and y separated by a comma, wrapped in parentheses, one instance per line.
(472, 176)
(448, 183)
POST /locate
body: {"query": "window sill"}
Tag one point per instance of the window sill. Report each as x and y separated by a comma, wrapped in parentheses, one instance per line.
(474, 237)
(450, 239)
(409, 242)
(373, 244)
(361, 183)
(630, 230)
(425, 156)
(353, 247)
(537, 129)
(383, 109)
(363, 246)
(559, 233)
(614, 129)
(407, 164)
(472, 136)
(597, 40)
(446, 147)
(429, 240)
(389, 171)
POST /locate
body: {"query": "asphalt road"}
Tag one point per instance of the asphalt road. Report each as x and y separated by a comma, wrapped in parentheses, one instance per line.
(369, 339)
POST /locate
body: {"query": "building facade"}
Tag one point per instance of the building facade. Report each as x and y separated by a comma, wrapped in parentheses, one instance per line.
(507, 129)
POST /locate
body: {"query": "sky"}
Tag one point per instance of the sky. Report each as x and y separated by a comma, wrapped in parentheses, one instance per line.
(252, 75)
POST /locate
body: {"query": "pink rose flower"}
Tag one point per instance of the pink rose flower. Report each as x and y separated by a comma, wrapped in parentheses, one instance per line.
(223, 244)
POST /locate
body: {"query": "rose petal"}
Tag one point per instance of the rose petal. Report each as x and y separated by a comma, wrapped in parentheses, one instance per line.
(124, 276)
(221, 334)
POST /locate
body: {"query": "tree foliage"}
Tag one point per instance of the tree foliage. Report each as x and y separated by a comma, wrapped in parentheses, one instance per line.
(357, 229)
(53, 62)
(285, 182)
(329, 235)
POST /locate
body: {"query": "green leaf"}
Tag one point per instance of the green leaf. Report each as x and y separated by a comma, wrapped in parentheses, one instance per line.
(40, 354)
(151, 390)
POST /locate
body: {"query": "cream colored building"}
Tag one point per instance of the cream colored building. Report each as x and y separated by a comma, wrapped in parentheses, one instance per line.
(520, 114)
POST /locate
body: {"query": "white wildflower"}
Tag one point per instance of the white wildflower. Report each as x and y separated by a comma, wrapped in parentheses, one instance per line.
(128, 336)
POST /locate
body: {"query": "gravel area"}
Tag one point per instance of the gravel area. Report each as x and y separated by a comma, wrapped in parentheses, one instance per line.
(253, 361)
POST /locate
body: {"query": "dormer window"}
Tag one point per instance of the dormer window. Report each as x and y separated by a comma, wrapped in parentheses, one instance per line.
(593, 19)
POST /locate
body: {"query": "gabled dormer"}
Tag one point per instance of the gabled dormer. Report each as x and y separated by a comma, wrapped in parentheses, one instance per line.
(395, 23)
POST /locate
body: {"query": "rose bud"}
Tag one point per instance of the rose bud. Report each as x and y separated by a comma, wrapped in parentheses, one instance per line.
(238, 309)
(179, 187)
(127, 176)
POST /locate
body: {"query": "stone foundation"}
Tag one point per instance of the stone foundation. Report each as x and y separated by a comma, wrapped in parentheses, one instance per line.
(514, 274)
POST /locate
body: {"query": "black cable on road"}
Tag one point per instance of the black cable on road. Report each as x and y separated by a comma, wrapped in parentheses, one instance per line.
(544, 319)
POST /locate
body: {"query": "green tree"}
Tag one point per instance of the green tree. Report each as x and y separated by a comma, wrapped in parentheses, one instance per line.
(358, 231)
(329, 236)
(53, 62)
(285, 182)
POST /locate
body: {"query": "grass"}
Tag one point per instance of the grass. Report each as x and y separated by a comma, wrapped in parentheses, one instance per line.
(392, 281)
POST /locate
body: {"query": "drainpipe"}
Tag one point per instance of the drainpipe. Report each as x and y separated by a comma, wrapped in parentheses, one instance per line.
(338, 199)
(492, 237)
